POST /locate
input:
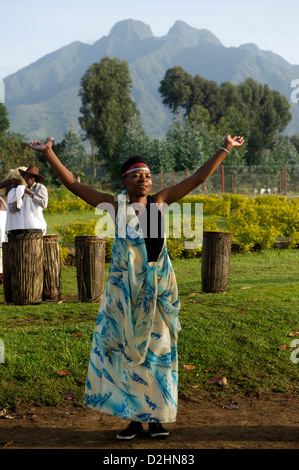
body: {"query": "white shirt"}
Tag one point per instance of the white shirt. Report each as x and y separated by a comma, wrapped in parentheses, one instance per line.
(25, 212)
(2, 224)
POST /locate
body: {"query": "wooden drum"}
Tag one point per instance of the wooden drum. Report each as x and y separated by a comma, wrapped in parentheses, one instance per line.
(52, 268)
(6, 273)
(90, 264)
(26, 257)
(215, 265)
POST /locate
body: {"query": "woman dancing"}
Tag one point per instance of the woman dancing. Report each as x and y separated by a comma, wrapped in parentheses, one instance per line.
(133, 365)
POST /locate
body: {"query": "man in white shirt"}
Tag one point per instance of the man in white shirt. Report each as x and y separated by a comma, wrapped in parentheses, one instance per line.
(28, 202)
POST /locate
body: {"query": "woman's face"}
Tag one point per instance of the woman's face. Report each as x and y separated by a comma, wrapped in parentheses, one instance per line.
(138, 183)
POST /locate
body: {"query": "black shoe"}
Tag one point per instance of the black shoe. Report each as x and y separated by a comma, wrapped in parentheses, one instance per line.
(134, 428)
(157, 430)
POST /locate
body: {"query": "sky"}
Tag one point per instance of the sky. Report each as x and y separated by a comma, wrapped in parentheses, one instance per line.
(30, 29)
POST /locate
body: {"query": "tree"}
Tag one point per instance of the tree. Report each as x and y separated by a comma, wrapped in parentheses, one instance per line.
(295, 141)
(4, 121)
(72, 153)
(249, 109)
(161, 159)
(134, 140)
(285, 152)
(207, 94)
(234, 123)
(176, 89)
(268, 113)
(15, 152)
(212, 137)
(184, 143)
(282, 152)
(106, 107)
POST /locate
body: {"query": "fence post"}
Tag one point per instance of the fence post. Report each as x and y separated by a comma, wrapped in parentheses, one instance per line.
(222, 172)
(285, 180)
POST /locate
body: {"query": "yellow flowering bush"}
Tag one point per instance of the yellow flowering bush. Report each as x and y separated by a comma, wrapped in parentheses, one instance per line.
(56, 205)
(213, 204)
(236, 201)
(254, 223)
(263, 220)
(175, 247)
(70, 231)
(63, 251)
(281, 213)
(248, 233)
(294, 240)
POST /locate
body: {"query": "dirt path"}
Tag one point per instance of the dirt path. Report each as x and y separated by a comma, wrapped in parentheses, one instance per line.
(270, 422)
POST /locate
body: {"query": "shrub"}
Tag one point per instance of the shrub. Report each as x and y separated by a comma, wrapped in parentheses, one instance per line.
(70, 231)
(254, 223)
(56, 205)
(213, 204)
(64, 251)
(294, 240)
(251, 229)
(175, 247)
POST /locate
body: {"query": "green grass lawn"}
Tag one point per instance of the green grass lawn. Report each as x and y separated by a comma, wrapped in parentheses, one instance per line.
(61, 218)
(237, 334)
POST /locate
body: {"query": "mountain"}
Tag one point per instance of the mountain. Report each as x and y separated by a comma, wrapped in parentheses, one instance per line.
(42, 98)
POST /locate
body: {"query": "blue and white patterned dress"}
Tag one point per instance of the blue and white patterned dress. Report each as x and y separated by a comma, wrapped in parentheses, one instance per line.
(133, 365)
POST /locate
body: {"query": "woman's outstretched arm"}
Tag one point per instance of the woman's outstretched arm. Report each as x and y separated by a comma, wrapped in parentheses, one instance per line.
(177, 191)
(88, 194)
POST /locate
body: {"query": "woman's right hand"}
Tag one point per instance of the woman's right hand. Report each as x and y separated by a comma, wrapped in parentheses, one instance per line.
(39, 147)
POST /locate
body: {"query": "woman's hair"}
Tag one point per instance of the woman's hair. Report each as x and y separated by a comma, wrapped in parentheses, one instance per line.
(131, 161)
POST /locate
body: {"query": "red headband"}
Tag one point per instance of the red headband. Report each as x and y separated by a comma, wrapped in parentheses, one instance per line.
(132, 168)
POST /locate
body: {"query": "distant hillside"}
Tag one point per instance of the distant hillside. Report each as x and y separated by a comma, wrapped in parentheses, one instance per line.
(43, 98)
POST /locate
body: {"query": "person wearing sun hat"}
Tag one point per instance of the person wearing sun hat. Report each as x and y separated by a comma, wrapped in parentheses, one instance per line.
(12, 179)
(33, 172)
(28, 202)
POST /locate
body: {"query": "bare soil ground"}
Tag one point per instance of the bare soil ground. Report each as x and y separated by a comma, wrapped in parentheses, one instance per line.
(203, 422)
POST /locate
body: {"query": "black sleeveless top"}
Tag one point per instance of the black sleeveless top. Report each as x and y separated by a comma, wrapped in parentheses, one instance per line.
(152, 224)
